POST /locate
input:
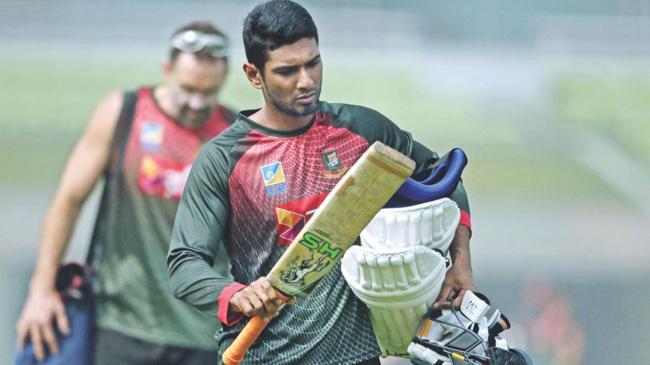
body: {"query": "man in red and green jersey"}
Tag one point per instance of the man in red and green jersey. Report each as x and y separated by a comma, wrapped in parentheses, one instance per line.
(253, 188)
(138, 320)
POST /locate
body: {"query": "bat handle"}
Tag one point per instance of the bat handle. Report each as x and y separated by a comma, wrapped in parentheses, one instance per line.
(234, 354)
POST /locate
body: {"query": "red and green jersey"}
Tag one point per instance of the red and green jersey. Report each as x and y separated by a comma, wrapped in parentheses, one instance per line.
(133, 296)
(251, 190)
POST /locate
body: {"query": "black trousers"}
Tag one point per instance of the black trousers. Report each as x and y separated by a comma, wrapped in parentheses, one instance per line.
(112, 348)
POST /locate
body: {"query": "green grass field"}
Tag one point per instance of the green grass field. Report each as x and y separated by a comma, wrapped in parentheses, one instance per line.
(614, 104)
(45, 107)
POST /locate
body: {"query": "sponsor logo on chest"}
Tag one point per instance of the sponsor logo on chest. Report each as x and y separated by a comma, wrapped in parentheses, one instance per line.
(291, 217)
(152, 135)
(162, 178)
(274, 179)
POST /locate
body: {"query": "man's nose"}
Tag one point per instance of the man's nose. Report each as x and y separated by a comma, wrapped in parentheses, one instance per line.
(305, 80)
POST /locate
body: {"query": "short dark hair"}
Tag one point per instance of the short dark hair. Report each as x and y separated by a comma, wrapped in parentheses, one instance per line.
(201, 27)
(274, 24)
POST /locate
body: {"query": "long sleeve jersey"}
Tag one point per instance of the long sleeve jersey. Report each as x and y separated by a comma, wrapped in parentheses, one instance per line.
(250, 191)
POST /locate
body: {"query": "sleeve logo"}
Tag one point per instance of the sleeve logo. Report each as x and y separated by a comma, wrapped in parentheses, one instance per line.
(274, 179)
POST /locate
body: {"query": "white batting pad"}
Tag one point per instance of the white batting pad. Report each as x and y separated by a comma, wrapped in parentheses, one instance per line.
(430, 224)
(398, 286)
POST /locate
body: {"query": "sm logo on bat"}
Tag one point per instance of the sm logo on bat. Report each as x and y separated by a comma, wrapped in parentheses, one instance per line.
(320, 245)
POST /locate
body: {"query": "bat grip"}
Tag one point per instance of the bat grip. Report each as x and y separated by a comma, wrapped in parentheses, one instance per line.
(235, 353)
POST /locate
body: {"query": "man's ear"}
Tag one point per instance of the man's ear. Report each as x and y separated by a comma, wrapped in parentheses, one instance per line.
(253, 75)
(167, 67)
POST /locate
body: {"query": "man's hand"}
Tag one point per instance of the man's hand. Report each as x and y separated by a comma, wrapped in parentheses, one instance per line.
(259, 298)
(42, 309)
(459, 278)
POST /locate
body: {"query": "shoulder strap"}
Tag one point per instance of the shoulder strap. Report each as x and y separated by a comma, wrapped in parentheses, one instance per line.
(113, 171)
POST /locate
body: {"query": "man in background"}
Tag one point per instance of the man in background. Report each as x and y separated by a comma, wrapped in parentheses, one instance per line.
(138, 320)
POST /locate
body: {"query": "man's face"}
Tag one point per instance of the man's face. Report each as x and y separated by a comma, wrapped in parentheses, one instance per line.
(292, 77)
(193, 83)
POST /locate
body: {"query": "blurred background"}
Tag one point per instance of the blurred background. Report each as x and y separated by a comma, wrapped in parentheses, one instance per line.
(549, 99)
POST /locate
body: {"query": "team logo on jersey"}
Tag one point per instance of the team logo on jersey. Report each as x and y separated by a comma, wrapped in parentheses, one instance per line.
(291, 217)
(163, 178)
(151, 136)
(331, 160)
(334, 169)
(274, 179)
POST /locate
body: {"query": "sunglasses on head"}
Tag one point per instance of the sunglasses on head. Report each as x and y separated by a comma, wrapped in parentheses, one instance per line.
(192, 41)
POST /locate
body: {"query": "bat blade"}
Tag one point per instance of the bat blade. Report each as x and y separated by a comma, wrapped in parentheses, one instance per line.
(336, 224)
(339, 220)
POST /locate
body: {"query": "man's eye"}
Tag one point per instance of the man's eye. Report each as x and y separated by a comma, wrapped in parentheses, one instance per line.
(284, 71)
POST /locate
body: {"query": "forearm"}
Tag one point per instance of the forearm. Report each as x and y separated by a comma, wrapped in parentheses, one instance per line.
(56, 233)
(194, 280)
(83, 169)
(459, 249)
(459, 277)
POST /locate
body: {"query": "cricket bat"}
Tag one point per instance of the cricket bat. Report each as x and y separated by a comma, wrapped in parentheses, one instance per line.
(334, 227)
